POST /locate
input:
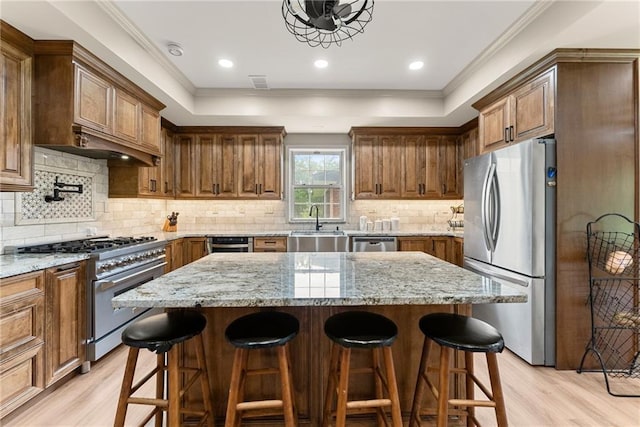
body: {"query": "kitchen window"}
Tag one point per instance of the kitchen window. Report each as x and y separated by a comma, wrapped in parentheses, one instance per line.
(317, 177)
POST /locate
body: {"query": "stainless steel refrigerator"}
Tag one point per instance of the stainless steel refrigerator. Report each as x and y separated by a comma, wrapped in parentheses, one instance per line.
(509, 237)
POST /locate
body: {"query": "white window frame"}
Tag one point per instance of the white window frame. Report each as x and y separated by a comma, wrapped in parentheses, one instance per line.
(291, 151)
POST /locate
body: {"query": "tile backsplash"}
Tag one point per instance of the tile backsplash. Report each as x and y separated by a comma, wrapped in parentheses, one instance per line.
(25, 218)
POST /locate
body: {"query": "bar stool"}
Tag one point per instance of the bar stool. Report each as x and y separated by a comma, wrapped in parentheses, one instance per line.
(363, 330)
(256, 331)
(164, 334)
(454, 331)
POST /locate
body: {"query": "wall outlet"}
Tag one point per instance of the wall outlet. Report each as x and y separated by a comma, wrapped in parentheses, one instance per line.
(241, 210)
(268, 210)
(372, 211)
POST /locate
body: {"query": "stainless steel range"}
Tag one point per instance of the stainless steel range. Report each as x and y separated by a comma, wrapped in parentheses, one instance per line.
(116, 265)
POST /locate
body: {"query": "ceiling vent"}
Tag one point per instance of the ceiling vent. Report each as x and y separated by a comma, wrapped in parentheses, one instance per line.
(259, 81)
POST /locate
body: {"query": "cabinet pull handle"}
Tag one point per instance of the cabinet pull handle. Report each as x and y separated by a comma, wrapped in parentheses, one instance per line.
(67, 267)
(506, 135)
(217, 188)
(511, 133)
(422, 189)
(260, 187)
(166, 187)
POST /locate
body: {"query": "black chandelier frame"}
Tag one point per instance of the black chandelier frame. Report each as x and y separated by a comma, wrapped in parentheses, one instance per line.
(299, 23)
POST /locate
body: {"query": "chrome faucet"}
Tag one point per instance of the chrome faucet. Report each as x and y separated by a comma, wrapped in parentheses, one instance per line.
(318, 225)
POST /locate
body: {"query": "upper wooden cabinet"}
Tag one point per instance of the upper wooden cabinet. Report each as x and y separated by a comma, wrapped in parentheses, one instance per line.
(229, 162)
(85, 107)
(16, 67)
(406, 163)
(524, 113)
(152, 181)
(376, 160)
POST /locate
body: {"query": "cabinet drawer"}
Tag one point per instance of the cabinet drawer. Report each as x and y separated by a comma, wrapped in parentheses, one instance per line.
(21, 286)
(269, 244)
(21, 379)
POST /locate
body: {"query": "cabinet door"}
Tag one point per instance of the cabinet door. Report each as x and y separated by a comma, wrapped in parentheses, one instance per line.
(420, 244)
(177, 252)
(167, 164)
(224, 166)
(458, 251)
(126, 117)
(194, 248)
(21, 339)
(269, 244)
(248, 170)
(93, 99)
(469, 142)
(16, 153)
(365, 174)
(184, 158)
(204, 165)
(450, 167)
(493, 125)
(432, 188)
(65, 320)
(388, 162)
(150, 129)
(270, 185)
(414, 165)
(532, 108)
(440, 247)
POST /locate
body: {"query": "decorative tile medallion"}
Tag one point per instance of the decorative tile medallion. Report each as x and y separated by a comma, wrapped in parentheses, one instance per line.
(31, 208)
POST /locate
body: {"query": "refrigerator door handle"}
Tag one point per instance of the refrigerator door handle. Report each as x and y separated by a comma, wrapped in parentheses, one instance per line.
(486, 208)
(495, 208)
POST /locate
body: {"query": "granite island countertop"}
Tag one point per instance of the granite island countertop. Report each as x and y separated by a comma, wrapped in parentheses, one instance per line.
(317, 279)
(14, 264)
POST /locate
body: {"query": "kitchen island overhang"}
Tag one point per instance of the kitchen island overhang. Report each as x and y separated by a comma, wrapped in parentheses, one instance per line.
(404, 286)
(317, 279)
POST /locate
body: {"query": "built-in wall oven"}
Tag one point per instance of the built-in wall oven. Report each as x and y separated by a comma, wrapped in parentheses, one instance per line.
(229, 244)
(115, 265)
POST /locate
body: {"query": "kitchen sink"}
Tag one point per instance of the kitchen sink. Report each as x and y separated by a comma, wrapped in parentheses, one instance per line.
(317, 233)
(317, 241)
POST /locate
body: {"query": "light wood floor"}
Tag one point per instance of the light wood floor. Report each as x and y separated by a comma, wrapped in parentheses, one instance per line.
(534, 397)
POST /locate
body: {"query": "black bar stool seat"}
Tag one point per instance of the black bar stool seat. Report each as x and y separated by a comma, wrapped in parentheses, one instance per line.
(164, 334)
(365, 331)
(457, 332)
(161, 332)
(261, 331)
(462, 333)
(264, 329)
(360, 329)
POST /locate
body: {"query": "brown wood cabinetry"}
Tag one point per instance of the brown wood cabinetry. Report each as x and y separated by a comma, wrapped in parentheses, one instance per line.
(469, 139)
(458, 251)
(85, 107)
(407, 163)
(65, 320)
(22, 317)
(194, 248)
(16, 67)
(589, 99)
(376, 162)
(174, 255)
(439, 246)
(269, 244)
(524, 113)
(228, 162)
(156, 181)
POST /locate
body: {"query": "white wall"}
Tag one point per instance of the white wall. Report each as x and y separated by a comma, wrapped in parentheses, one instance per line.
(123, 217)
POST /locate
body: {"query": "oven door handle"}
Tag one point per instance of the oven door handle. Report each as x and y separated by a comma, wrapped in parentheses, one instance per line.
(112, 283)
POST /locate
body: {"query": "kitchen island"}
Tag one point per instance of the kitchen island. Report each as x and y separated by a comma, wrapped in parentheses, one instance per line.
(313, 286)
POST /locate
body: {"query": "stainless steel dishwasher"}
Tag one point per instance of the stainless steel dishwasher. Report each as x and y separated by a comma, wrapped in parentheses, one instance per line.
(375, 244)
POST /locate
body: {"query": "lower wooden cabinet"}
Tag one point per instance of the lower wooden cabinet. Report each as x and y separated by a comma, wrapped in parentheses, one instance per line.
(443, 247)
(174, 255)
(65, 320)
(269, 244)
(458, 251)
(22, 345)
(194, 248)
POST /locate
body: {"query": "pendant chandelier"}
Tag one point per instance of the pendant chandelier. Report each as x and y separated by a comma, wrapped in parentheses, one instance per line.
(322, 23)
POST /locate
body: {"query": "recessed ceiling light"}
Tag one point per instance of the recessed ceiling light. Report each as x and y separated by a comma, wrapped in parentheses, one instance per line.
(416, 65)
(175, 49)
(226, 63)
(321, 63)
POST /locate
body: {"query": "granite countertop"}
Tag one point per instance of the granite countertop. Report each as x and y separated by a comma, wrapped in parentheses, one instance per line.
(12, 265)
(168, 236)
(315, 279)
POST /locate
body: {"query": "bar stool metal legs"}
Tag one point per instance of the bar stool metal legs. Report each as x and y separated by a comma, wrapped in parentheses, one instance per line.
(165, 334)
(366, 331)
(454, 332)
